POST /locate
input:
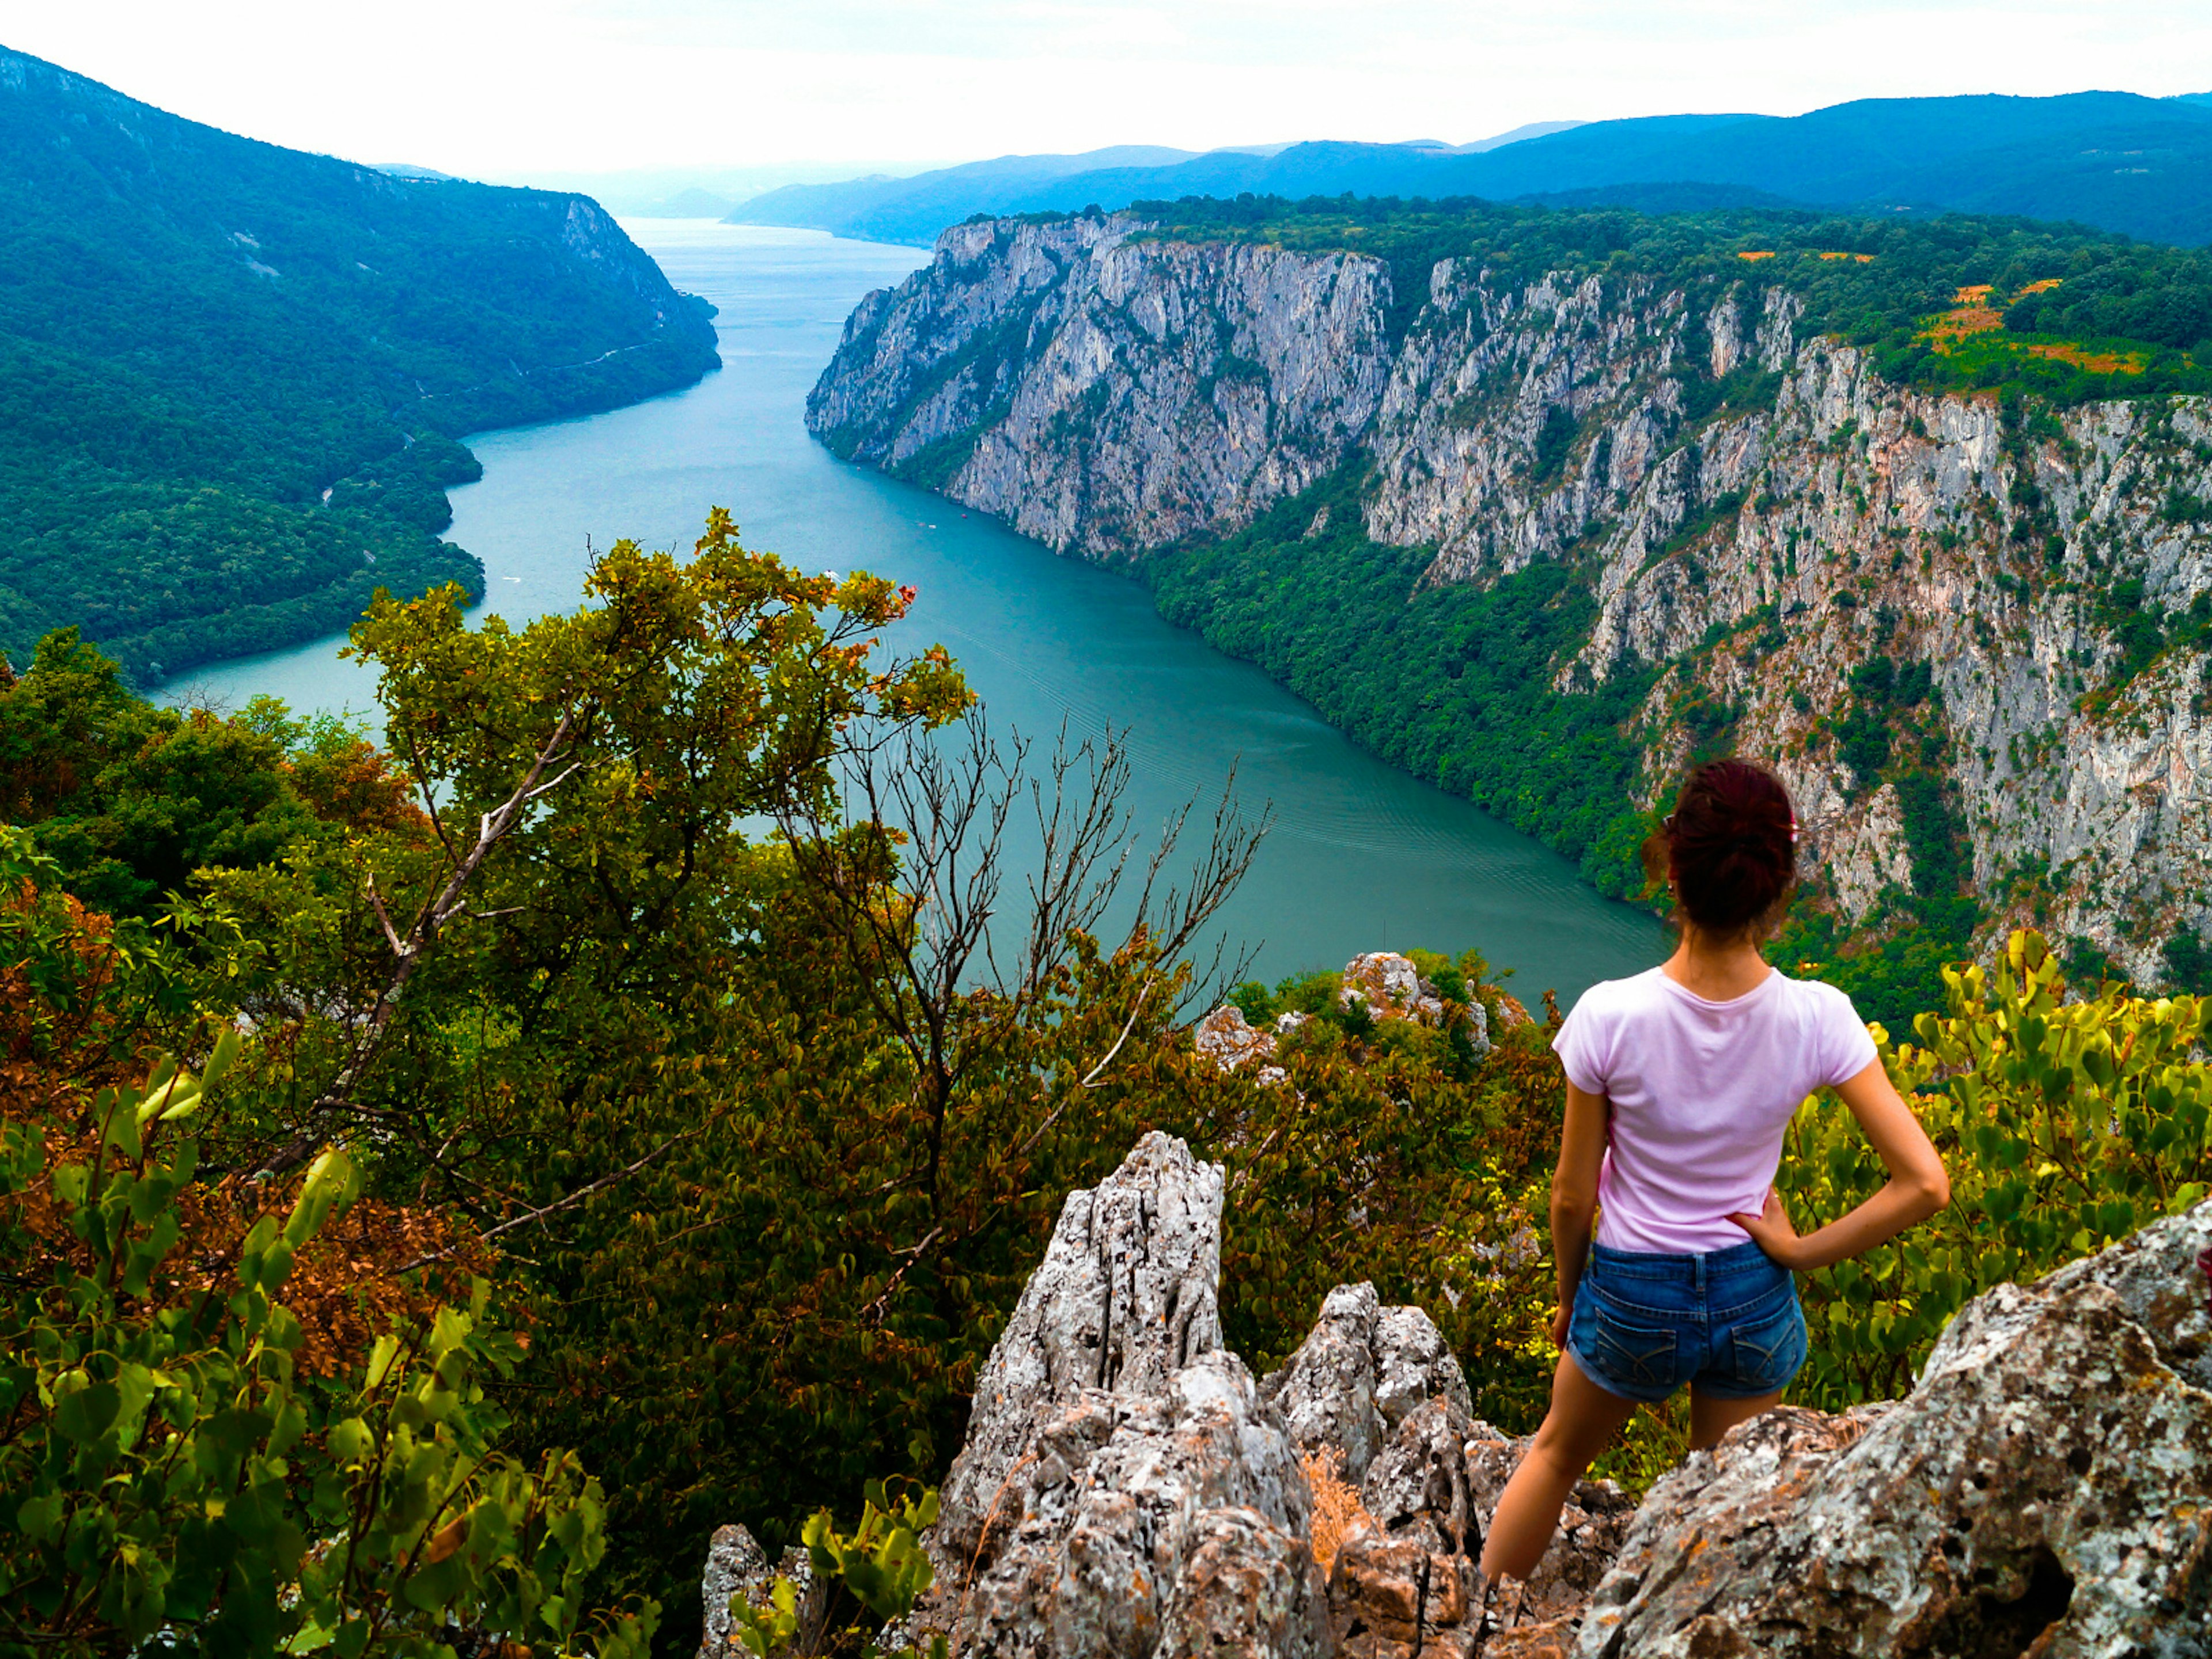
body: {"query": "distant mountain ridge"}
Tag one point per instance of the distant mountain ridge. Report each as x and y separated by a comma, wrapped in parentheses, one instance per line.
(2114, 159)
(233, 377)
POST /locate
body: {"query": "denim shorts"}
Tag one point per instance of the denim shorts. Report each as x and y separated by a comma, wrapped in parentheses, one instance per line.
(1729, 1322)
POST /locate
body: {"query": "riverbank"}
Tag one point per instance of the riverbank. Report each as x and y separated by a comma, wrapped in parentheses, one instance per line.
(1363, 857)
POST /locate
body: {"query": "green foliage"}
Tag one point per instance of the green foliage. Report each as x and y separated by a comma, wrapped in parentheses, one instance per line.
(1451, 682)
(233, 377)
(2065, 1126)
(169, 1469)
(2188, 964)
(874, 1576)
(131, 798)
(765, 1234)
(1553, 440)
(2114, 297)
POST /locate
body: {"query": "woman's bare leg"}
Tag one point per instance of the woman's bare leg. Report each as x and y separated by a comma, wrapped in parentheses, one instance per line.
(1710, 1419)
(1583, 1419)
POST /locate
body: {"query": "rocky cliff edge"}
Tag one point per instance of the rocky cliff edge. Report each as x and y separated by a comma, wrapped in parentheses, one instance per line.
(1128, 1490)
(1110, 391)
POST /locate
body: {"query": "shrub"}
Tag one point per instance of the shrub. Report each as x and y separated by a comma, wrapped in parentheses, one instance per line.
(2065, 1126)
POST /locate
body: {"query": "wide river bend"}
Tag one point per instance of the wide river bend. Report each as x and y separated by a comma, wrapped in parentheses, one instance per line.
(1362, 857)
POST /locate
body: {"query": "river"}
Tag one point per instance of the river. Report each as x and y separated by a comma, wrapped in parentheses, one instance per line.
(1361, 856)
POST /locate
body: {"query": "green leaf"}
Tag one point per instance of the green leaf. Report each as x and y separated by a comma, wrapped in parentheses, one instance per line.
(87, 1414)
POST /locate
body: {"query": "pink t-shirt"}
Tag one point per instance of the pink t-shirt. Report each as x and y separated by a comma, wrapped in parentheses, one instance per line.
(1701, 1092)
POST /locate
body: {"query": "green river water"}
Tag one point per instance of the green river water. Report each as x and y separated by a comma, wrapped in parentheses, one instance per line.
(1361, 856)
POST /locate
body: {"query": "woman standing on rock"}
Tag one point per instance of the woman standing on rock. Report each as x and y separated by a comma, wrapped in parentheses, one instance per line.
(1681, 1082)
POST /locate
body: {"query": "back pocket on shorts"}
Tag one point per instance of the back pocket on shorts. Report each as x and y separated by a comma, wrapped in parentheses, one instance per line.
(1768, 1349)
(1639, 1356)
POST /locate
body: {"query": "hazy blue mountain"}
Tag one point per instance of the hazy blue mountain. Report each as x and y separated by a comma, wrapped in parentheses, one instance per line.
(914, 209)
(2113, 159)
(692, 204)
(233, 377)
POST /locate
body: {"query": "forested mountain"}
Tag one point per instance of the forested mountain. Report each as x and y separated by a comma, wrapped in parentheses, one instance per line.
(2108, 159)
(1541, 503)
(232, 376)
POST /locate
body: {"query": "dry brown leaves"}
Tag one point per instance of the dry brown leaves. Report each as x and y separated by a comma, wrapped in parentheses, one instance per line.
(1338, 1515)
(57, 1053)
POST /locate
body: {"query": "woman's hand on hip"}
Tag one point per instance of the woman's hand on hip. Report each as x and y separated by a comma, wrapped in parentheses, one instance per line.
(1560, 1323)
(1771, 1231)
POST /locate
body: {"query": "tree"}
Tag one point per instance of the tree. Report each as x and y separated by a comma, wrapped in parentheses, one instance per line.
(189, 1456)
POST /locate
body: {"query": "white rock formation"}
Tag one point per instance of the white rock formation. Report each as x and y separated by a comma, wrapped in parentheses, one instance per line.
(1110, 393)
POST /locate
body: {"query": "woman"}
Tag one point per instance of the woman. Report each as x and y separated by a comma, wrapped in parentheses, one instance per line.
(1681, 1082)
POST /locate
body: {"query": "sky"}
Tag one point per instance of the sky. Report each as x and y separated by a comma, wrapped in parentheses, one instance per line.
(515, 89)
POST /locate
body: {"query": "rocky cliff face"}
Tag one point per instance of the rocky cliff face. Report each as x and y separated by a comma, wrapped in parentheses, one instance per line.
(1127, 1491)
(1105, 394)
(1756, 513)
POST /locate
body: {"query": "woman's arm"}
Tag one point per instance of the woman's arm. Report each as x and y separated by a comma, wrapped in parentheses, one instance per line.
(1917, 1186)
(1574, 1195)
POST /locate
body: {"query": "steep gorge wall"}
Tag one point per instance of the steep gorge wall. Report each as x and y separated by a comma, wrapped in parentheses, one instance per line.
(1756, 513)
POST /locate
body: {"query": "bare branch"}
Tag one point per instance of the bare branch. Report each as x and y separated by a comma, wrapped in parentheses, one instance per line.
(430, 921)
(569, 1202)
(1091, 1081)
(873, 1313)
(945, 806)
(376, 903)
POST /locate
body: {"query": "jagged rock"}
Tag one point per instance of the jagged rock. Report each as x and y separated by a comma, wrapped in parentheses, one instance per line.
(1128, 1491)
(1384, 982)
(1436, 1484)
(1124, 1490)
(737, 1565)
(1391, 987)
(2046, 1488)
(1154, 1525)
(1123, 1300)
(1326, 1392)
(1392, 1597)
(1223, 1037)
(1417, 1486)
(1592, 1525)
(1359, 1372)
(1413, 1364)
(2150, 1272)
(1389, 984)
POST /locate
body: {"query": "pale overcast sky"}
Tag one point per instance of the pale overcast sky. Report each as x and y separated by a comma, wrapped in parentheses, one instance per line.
(502, 87)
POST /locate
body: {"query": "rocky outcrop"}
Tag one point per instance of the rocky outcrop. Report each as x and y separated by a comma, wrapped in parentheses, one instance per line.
(1124, 1489)
(738, 1569)
(1128, 1491)
(1385, 984)
(2046, 1488)
(1111, 391)
(1210, 381)
(1224, 1037)
(1361, 1373)
(1123, 1301)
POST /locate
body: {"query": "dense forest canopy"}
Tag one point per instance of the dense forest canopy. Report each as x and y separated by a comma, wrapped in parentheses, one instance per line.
(232, 376)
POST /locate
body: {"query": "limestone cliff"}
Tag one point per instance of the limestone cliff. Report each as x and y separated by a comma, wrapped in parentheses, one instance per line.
(1785, 542)
(1127, 1490)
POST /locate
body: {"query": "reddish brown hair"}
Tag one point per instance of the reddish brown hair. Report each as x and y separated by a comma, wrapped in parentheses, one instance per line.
(1729, 848)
